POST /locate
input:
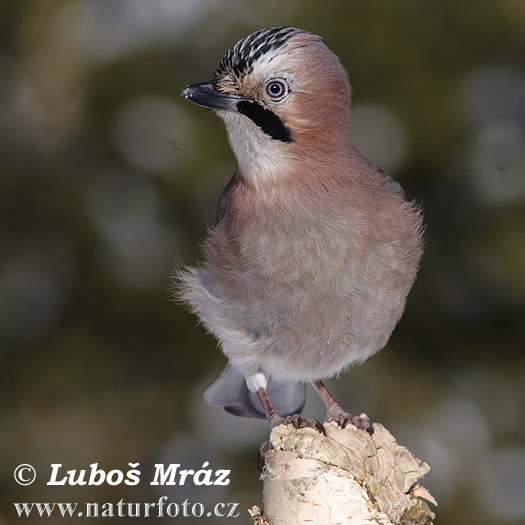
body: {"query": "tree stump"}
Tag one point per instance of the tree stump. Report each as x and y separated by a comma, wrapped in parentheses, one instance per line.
(345, 477)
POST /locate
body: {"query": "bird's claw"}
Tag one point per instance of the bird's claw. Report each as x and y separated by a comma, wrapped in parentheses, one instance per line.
(336, 413)
(265, 447)
(298, 422)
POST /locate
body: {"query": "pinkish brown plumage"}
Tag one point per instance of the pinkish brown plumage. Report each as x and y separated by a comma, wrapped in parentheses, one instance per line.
(315, 249)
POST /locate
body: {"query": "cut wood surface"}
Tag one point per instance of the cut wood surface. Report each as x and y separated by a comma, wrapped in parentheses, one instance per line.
(345, 477)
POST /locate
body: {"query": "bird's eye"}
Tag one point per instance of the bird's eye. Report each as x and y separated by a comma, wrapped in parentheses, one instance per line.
(276, 89)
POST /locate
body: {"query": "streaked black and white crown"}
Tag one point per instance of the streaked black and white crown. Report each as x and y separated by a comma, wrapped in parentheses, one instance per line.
(240, 59)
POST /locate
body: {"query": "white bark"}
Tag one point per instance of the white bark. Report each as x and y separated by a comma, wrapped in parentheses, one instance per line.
(346, 477)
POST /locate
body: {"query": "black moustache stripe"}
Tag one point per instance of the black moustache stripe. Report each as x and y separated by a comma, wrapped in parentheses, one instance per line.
(267, 120)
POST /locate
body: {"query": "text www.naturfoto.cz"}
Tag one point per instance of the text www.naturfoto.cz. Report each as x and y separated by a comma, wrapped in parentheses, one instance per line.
(160, 509)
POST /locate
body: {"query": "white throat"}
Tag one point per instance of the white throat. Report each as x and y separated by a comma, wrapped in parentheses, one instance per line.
(258, 155)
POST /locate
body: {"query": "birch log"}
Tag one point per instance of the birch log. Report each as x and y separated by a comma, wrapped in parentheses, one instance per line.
(345, 477)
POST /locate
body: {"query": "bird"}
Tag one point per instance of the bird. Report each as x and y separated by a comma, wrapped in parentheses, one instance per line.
(314, 249)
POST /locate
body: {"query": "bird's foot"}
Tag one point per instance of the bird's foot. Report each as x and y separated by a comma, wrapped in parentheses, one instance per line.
(265, 447)
(336, 413)
(298, 422)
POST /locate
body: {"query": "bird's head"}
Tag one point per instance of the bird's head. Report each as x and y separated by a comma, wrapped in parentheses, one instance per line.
(284, 98)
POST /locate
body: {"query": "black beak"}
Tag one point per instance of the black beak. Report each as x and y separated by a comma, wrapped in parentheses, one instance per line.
(204, 94)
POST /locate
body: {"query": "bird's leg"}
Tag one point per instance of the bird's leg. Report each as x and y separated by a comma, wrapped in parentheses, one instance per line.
(295, 419)
(275, 420)
(335, 413)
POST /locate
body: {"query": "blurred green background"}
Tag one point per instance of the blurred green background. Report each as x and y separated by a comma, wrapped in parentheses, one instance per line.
(108, 177)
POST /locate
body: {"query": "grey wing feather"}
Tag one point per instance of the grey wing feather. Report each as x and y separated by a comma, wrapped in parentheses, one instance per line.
(222, 206)
(391, 185)
(230, 391)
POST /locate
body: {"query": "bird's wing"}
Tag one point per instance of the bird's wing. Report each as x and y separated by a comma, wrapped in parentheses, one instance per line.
(390, 184)
(222, 206)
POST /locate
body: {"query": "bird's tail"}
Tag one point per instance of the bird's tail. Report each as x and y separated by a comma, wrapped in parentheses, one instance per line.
(230, 391)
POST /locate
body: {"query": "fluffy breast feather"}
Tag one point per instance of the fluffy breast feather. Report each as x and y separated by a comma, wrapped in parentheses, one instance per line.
(319, 276)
